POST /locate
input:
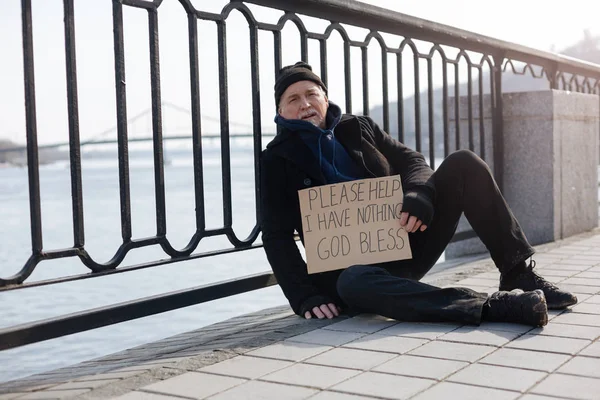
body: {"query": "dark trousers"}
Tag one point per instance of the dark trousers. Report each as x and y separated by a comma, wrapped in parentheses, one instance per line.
(464, 183)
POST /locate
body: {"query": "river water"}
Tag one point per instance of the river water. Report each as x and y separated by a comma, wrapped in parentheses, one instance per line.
(102, 228)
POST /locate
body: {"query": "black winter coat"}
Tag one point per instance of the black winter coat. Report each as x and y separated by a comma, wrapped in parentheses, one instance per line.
(288, 165)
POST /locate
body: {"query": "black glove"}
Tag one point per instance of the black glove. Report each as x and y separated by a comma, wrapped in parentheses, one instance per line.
(312, 302)
(418, 204)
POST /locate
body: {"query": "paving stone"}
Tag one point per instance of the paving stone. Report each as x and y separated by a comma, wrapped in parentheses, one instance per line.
(144, 396)
(54, 394)
(326, 395)
(477, 282)
(536, 397)
(516, 358)
(556, 272)
(10, 396)
(246, 367)
(351, 358)
(574, 261)
(569, 331)
(582, 281)
(592, 350)
(453, 351)
(290, 351)
(479, 336)
(577, 387)
(549, 344)
(384, 385)
(578, 319)
(392, 344)
(421, 367)
(587, 308)
(311, 375)
(504, 326)
(326, 337)
(265, 391)
(594, 299)
(497, 377)
(587, 274)
(586, 257)
(448, 390)
(194, 384)
(585, 366)
(362, 325)
(580, 288)
(419, 330)
(562, 267)
(110, 375)
(489, 275)
(84, 384)
(142, 368)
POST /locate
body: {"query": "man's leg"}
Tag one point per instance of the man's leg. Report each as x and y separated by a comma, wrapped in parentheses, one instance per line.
(464, 183)
(374, 290)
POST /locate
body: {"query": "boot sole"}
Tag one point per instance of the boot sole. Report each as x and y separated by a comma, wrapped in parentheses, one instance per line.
(563, 305)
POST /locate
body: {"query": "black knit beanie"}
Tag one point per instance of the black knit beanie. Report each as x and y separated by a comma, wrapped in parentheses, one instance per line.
(291, 74)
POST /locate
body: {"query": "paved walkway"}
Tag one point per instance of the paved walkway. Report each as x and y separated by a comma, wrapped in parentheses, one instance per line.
(276, 355)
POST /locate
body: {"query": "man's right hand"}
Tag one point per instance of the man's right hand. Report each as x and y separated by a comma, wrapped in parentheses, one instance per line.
(324, 310)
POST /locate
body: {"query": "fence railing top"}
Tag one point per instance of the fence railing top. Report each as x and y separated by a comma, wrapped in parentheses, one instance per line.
(368, 16)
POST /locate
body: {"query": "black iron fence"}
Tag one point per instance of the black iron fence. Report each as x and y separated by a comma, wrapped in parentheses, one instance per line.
(440, 57)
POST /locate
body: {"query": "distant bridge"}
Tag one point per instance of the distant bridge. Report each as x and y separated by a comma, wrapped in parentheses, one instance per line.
(108, 136)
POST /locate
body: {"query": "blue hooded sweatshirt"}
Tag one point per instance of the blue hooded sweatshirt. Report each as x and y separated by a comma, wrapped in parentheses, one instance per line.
(336, 165)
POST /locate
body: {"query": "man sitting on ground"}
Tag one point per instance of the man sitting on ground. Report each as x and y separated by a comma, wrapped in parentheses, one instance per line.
(319, 145)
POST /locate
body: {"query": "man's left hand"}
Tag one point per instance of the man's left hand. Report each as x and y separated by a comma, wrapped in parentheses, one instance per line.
(410, 223)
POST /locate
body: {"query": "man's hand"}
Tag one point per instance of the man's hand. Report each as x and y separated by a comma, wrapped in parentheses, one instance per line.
(324, 310)
(411, 224)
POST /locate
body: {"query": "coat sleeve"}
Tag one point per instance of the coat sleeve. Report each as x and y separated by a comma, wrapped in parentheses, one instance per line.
(277, 223)
(415, 173)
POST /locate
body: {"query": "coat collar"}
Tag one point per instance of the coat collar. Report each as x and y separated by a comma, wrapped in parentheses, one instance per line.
(289, 145)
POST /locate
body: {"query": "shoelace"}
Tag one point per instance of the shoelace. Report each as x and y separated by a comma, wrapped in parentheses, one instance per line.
(539, 281)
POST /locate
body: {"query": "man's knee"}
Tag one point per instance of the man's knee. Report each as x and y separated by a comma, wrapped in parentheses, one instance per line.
(465, 160)
(464, 157)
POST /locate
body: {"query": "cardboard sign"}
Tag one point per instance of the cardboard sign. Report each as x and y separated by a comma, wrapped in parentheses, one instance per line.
(350, 223)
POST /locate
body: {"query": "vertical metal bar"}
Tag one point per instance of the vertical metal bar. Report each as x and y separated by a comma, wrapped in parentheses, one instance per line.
(224, 116)
(303, 47)
(457, 105)
(481, 116)
(73, 110)
(123, 146)
(323, 45)
(157, 134)
(470, 105)
(347, 77)
(384, 80)
(35, 213)
(445, 106)
(256, 116)
(400, 97)
(277, 51)
(365, 79)
(430, 113)
(417, 102)
(278, 62)
(196, 127)
(498, 123)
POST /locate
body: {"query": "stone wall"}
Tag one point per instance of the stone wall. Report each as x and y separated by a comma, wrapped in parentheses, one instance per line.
(550, 163)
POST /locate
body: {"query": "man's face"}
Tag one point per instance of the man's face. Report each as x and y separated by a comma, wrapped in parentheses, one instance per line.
(304, 100)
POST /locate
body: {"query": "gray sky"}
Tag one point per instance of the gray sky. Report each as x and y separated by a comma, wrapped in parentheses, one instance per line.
(535, 24)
